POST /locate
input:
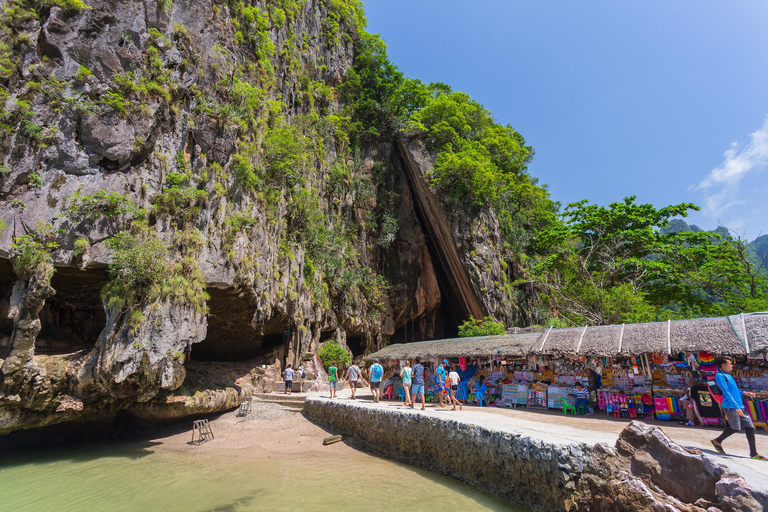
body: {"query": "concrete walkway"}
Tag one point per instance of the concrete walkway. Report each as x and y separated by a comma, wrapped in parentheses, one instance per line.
(552, 427)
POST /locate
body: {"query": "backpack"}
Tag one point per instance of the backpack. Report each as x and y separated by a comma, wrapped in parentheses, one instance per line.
(376, 371)
(714, 389)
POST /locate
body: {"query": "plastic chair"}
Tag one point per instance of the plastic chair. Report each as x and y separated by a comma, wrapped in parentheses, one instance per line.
(401, 394)
(480, 399)
(388, 392)
(567, 407)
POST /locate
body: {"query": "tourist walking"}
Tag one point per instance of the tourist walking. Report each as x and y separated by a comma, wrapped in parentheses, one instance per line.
(440, 376)
(377, 372)
(333, 379)
(405, 373)
(454, 380)
(353, 375)
(733, 407)
(417, 384)
(289, 379)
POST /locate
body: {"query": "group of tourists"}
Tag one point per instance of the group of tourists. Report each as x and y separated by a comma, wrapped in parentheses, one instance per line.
(446, 384)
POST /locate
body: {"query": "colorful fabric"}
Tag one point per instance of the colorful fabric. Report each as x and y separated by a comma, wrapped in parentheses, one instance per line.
(707, 363)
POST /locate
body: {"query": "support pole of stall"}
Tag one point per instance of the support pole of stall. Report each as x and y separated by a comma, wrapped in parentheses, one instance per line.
(545, 339)
(581, 338)
(648, 365)
(669, 337)
(744, 328)
(621, 337)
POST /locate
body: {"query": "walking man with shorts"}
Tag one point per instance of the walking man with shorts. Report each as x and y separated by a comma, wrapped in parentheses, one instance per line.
(733, 407)
(353, 375)
(440, 376)
(454, 379)
(333, 379)
(289, 379)
(377, 372)
(417, 384)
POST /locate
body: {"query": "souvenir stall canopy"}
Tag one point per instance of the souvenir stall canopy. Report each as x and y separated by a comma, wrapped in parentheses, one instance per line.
(631, 370)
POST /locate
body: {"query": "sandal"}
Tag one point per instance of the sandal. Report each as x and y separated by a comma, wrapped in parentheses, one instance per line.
(718, 446)
(758, 457)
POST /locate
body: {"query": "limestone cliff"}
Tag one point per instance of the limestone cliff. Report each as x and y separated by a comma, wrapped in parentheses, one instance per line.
(201, 148)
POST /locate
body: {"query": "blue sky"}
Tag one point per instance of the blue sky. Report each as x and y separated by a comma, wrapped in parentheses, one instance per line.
(666, 100)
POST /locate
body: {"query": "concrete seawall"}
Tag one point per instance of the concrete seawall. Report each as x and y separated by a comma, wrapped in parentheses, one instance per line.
(531, 472)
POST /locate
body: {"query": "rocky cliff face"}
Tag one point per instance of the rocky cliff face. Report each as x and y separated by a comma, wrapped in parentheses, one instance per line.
(200, 147)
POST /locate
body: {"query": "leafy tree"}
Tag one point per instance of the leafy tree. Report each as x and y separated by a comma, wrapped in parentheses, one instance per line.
(613, 264)
(485, 327)
(333, 354)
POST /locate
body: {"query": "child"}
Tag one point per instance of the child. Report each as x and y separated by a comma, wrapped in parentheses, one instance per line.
(481, 390)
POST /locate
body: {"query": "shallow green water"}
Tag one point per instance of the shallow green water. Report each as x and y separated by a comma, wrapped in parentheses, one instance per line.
(128, 477)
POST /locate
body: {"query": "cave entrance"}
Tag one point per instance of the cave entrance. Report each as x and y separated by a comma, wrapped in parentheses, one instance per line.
(357, 345)
(73, 318)
(458, 299)
(230, 336)
(7, 279)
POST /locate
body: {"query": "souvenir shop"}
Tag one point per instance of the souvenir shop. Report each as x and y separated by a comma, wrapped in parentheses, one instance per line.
(650, 385)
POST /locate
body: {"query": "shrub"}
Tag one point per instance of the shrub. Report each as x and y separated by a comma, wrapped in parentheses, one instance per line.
(81, 246)
(137, 265)
(35, 180)
(333, 354)
(100, 204)
(485, 327)
(31, 253)
(82, 74)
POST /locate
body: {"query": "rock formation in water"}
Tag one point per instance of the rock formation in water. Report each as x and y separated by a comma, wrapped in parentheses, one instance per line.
(203, 150)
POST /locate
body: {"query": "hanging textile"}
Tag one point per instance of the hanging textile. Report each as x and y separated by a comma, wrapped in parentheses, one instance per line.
(465, 375)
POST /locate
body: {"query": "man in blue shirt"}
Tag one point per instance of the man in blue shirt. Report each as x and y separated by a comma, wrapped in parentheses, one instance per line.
(417, 384)
(440, 382)
(377, 372)
(733, 407)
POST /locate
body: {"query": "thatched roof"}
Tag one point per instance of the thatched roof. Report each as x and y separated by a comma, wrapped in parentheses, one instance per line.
(516, 345)
(722, 335)
(757, 331)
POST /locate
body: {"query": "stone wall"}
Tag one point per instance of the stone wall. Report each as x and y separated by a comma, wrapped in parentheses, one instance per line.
(645, 471)
(535, 474)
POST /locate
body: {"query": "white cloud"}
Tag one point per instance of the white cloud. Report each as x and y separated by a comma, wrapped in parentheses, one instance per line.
(722, 186)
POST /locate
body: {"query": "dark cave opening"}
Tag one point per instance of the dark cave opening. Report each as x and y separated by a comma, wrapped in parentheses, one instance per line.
(7, 279)
(451, 312)
(73, 318)
(357, 345)
(231, 337)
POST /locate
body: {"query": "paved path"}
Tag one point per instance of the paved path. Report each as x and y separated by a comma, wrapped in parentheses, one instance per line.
(552, 427)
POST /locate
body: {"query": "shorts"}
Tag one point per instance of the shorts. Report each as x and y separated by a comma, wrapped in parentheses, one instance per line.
(353, 384)
(736, 422)
(417, 389)
(406, 384)
(375, 385)
(439, 387)
(333, 384)
(288, 385)
(454, 387)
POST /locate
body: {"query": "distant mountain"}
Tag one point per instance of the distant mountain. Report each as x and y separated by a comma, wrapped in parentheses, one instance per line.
(757, 249)
(680, 226)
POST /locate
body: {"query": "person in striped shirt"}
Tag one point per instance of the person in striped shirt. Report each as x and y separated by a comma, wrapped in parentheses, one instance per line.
(582, 397)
